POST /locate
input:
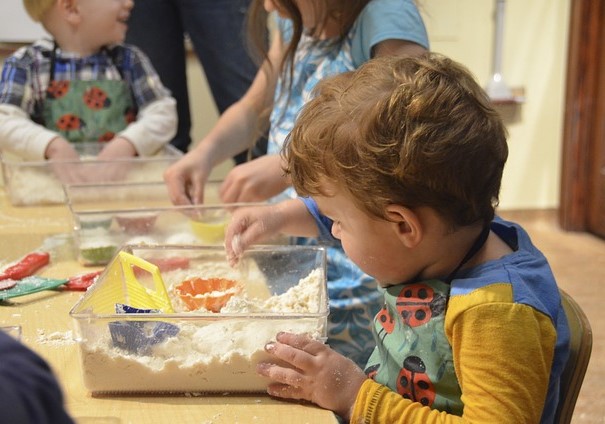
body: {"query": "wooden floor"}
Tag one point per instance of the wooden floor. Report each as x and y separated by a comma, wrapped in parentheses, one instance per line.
(578, 262)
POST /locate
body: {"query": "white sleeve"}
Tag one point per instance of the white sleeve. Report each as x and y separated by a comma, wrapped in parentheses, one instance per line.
(21, 136)
(155, 126)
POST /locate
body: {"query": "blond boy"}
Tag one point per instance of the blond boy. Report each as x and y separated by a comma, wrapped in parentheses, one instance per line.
(82, 85)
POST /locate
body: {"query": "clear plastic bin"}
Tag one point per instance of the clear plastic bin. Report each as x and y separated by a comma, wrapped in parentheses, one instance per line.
(136, 335)
(107, 216)
(30, 183)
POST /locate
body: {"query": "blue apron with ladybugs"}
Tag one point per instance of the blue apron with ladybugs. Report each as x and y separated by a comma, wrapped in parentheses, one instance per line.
(87, 110)
(413, 356)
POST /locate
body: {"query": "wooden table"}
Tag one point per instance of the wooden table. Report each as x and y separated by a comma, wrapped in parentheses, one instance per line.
(48, 329)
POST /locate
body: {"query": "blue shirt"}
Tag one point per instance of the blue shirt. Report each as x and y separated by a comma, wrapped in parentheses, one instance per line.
(29, 392)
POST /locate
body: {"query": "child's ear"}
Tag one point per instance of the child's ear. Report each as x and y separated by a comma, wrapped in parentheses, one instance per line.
(407, 224)
(69, 10)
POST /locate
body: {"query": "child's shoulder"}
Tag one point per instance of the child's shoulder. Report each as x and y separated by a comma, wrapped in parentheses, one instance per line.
(521, 277)
(525, 257)
(123, 47)
(33, 53)
(126, 52)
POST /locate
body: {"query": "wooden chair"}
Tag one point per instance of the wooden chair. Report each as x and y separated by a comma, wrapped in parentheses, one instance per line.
(579, 355)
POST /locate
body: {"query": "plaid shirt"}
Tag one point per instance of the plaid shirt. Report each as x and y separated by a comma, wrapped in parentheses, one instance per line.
(26, 74)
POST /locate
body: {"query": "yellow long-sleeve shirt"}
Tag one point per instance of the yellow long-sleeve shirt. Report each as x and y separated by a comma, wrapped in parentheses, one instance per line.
(503, 354)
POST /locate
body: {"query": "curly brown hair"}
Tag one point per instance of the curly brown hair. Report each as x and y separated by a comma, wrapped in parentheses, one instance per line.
(408, 131)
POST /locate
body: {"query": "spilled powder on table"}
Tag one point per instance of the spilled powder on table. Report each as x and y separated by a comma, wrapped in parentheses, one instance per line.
(56, 338)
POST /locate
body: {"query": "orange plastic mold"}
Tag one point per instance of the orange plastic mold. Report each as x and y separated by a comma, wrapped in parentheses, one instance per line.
(209, 293)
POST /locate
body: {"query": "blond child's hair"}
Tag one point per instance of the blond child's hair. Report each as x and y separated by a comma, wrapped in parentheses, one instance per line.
(36, 9)
(408, 131)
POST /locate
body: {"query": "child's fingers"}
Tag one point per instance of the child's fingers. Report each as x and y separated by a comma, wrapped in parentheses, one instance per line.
(287, 392)
(177, 190)
(231, 189)
(288, 382)
(234, 230)
(224, 191)
(237, 235)
(301, 356)
(291, 355)
(196, 193)
(301, 341)
(233, 249)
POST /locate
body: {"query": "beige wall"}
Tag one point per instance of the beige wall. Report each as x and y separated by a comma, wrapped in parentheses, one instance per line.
(534, 57)
(203, 110)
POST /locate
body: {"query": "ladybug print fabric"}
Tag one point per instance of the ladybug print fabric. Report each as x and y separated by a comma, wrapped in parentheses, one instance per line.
(413, 356)
(386, 321)
(57, 89)
(88, 110)
(96, 98)
(418, 303)
(413, 383)
(69, 122)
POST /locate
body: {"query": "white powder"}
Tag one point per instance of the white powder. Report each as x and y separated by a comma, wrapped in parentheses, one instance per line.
(183, 238)
(24, 188)
(25, 181)
(56, 338)
(143, 240)
(214, 353)
(93, 238)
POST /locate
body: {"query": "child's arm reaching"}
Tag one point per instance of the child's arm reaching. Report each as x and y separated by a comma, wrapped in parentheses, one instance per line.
(255, 224)
(316, 373)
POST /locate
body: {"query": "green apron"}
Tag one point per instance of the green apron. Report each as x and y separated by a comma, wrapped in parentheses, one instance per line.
(413, 356)
(87, 110)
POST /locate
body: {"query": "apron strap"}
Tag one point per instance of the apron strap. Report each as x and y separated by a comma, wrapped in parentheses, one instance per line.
(113, 59)
(477, 245)
(53, 58)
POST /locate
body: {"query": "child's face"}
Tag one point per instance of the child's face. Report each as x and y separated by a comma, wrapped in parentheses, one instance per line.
(104, 21)
(371, 243)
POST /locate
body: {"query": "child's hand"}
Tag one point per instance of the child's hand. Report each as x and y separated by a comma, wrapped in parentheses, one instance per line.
(114, 153)
(185, 179)
(58, 151)
(254, 181)
(315, 373)
(118, 148)
(249, 225)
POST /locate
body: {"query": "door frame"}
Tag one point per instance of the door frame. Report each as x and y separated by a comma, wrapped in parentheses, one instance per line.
(584, 114)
